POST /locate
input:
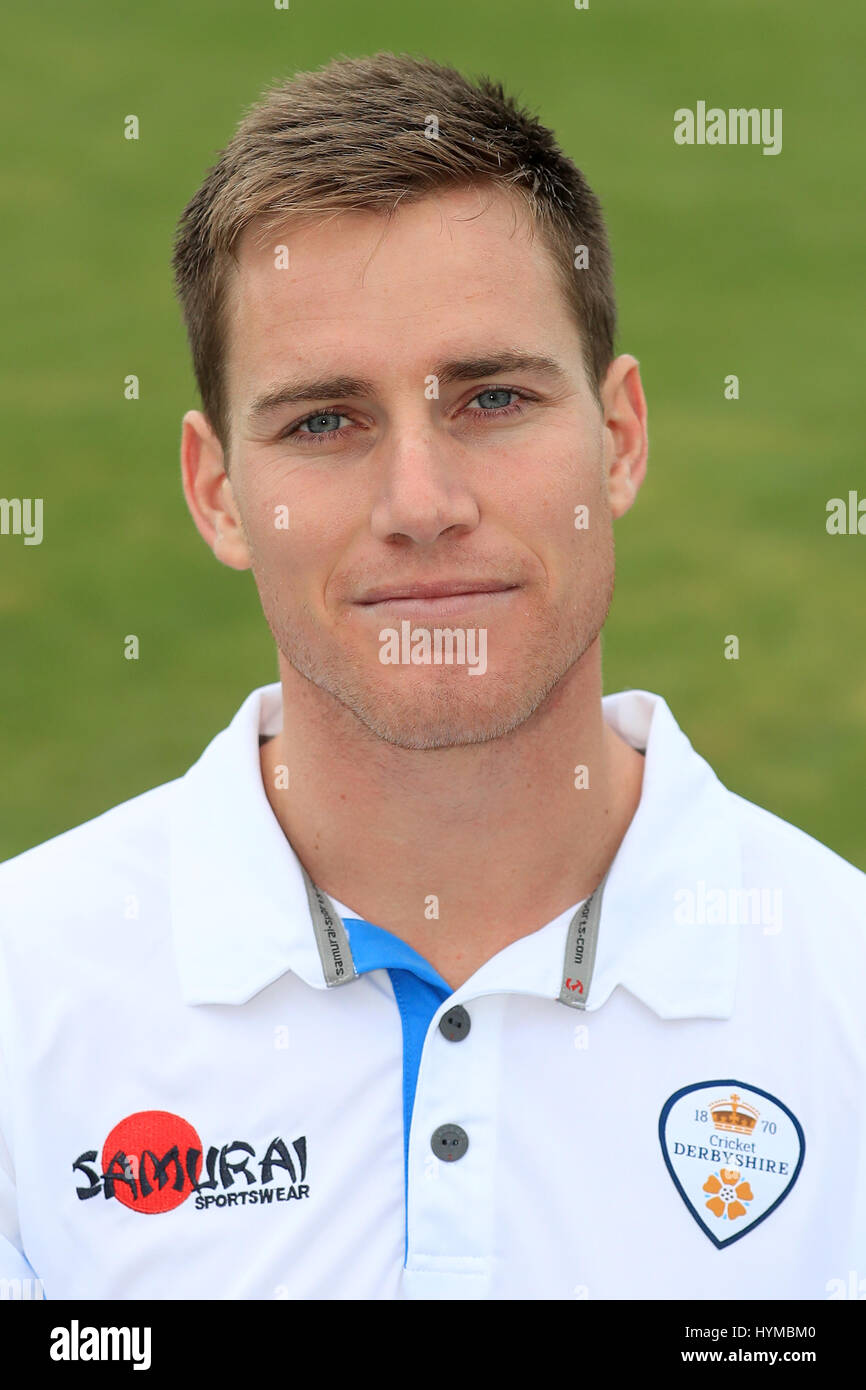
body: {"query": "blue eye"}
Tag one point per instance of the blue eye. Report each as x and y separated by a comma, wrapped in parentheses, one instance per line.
(495, 391)
(323, 426)
(316, 420)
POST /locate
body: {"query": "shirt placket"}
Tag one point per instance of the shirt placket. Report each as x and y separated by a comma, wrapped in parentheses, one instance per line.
(451, 1171)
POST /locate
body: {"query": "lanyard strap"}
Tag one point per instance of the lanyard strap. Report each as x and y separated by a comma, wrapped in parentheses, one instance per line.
(580, 945)
(331, 936)
(339, 968)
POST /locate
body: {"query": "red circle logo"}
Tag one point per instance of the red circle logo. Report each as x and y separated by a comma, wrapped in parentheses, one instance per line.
(145, 1160)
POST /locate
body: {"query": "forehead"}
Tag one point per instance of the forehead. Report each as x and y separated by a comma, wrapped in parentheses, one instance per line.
(445, 273)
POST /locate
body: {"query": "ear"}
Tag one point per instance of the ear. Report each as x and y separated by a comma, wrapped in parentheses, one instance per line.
(625, 432)
(208, 492)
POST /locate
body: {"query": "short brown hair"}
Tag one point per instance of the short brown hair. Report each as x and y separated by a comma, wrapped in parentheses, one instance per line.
(351, 137)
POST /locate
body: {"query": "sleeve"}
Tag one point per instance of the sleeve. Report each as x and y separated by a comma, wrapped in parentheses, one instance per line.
(18, 1280)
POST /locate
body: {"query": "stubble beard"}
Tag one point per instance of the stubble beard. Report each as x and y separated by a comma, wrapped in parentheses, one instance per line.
(427, 706)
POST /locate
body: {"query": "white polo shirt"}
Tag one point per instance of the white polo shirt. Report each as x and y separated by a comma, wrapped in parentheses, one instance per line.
(213, 1087)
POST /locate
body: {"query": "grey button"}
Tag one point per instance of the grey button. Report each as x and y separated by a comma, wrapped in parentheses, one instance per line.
(449, 1142)
(455, 1024)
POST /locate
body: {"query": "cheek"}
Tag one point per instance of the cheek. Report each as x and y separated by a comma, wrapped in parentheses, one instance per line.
(293, 518)
(572, 519)
(273, 524)
(293, 556)
(577, 551)
(284, 553)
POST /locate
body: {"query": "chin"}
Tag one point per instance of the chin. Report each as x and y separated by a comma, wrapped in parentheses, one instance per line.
(447, 717)
(425, 707)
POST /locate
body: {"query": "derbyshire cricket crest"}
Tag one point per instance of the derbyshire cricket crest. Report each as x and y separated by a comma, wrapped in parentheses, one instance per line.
(734, 1153)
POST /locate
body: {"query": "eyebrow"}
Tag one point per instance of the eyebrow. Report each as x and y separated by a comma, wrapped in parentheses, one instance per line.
(348, 387)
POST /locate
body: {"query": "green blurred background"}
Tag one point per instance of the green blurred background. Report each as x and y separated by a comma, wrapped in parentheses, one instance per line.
(726, 261)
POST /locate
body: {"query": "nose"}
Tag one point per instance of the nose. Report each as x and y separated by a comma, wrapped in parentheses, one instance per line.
(423, 488)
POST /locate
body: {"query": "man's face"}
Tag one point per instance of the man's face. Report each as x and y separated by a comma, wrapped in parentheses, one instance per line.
(438, 467)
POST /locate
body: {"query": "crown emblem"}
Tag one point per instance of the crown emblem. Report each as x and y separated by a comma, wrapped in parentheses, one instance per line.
(734, 1114)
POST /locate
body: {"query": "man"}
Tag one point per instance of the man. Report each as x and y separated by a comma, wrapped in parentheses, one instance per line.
(436, 976)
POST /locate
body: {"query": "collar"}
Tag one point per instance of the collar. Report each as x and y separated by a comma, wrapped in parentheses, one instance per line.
(242, 917)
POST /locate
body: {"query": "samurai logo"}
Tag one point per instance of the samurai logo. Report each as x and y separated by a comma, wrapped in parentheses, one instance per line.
(152, 1162)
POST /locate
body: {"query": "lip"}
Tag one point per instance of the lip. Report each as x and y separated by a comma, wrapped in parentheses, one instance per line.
(446, 606)
(437, 591)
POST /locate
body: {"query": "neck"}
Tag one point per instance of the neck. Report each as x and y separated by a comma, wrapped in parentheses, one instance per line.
(496, 834)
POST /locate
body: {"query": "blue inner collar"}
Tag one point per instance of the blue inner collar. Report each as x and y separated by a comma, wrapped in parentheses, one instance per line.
(419, 991)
